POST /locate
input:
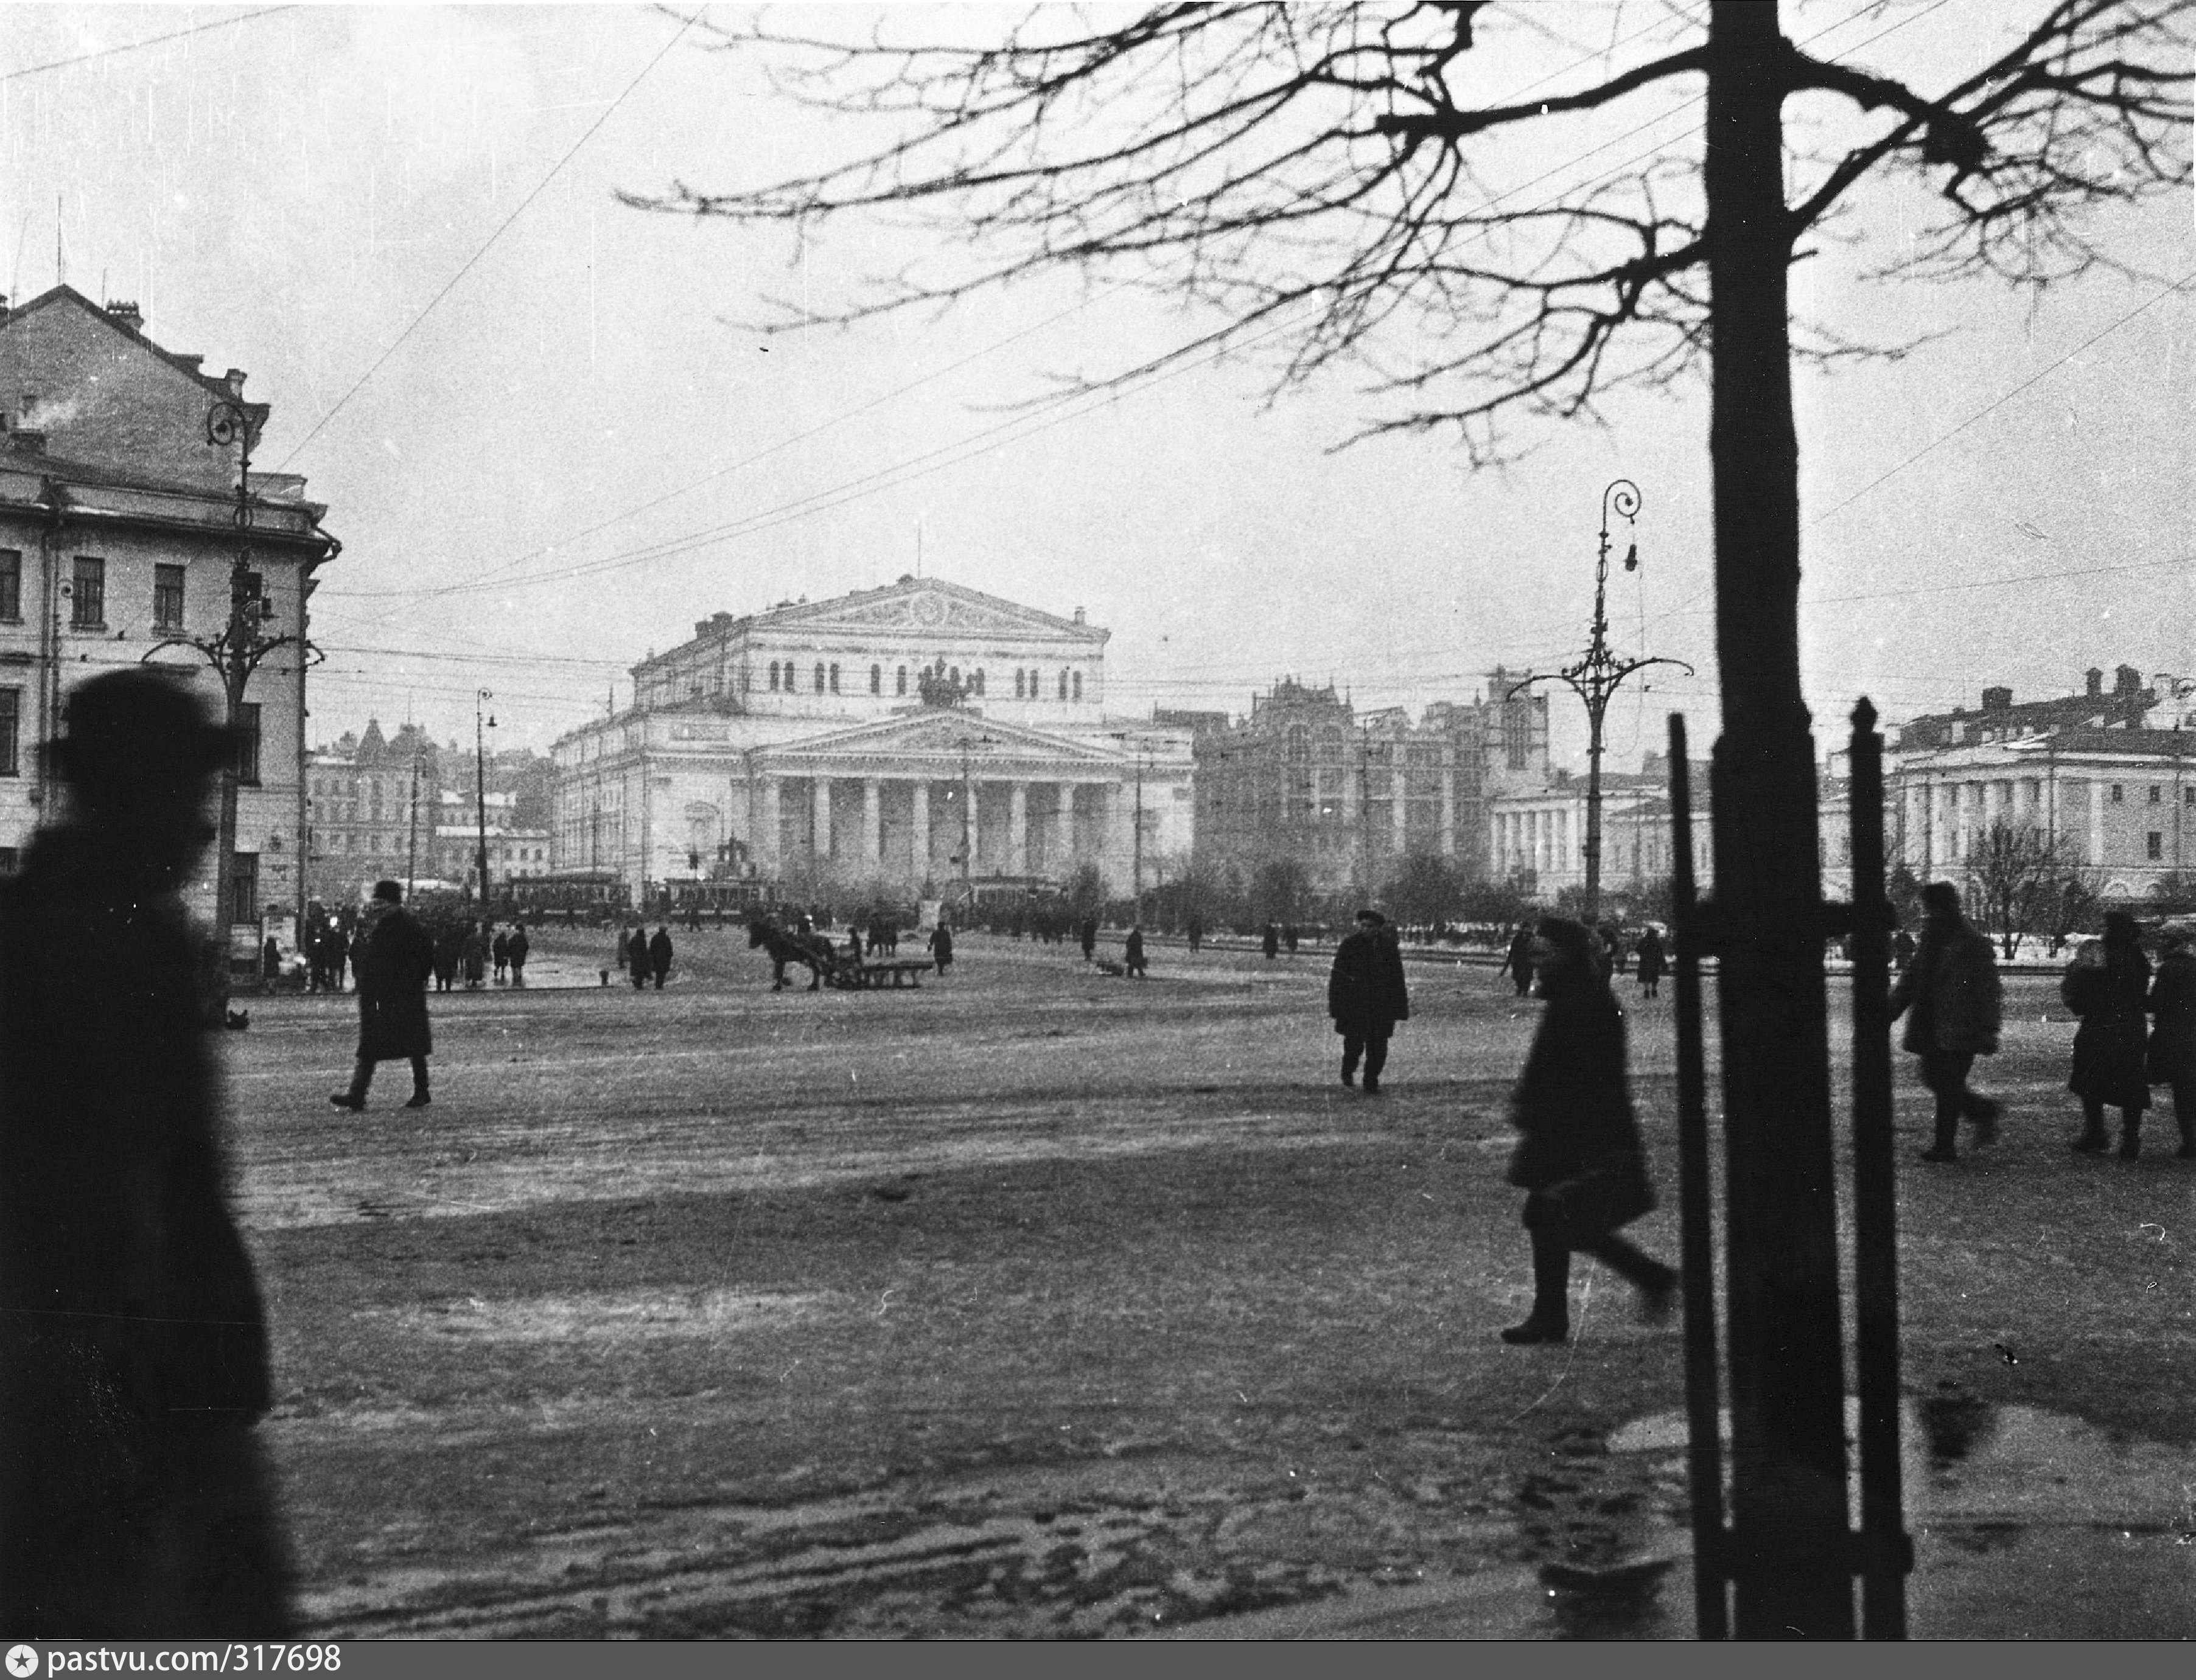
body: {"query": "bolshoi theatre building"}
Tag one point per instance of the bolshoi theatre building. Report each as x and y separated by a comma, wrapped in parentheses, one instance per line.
(906, 738)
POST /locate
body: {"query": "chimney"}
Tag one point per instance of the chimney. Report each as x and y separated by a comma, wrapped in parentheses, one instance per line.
(1079, 616)
(2126, 680)
(234, 380)
(127, 313)
(2097, 681)
(1997, 700)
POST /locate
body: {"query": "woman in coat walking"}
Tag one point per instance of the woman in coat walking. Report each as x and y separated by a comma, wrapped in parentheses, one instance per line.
(1652, 963)
(393, 960)
(1580, 1158)
(2172, 1004)
(2107, 985)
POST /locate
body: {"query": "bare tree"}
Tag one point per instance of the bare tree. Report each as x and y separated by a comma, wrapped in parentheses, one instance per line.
(1325, 177)
(2014, 874)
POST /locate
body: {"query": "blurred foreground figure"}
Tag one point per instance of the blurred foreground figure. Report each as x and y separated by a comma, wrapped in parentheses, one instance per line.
(1578, 1157)
(133, 1503)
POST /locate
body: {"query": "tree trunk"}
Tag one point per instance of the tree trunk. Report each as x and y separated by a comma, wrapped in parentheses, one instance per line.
(1790, 1552)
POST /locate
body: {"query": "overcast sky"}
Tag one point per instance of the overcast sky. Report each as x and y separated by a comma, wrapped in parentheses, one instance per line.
(551, 439)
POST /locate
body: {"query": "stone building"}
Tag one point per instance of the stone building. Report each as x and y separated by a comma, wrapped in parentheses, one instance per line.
(2106, 776)
(1306, 777)
(1536, 837)
(118, 544)
(903, 738)
(373, 817)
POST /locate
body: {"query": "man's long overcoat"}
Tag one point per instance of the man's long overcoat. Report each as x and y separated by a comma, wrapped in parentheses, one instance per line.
(1365, 992)
(398, 955)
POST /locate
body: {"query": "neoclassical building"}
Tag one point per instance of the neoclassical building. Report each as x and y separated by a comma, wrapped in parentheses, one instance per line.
(909, 738)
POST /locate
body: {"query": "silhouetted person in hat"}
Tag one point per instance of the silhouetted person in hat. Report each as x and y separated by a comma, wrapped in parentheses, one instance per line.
(1367, 996)
(135, 1503)
(395, 957)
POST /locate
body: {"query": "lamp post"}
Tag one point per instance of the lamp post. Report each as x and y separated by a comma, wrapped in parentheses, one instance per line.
(481, 727)
(1596, 678)
(411, 842)
(1366, 747)
(1140, 752)
(967, 835)
(237, 651)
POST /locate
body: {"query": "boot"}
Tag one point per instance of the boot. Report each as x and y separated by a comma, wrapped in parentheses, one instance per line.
(1549, 1321)
(2093, 1141)
(2130, 1134)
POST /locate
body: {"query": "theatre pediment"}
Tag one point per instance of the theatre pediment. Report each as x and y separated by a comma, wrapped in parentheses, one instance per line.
(931, 604)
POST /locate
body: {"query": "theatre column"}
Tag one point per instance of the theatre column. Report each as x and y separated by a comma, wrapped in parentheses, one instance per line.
(1063, 831)
(822, 806)
(1018, 828)
(919, 831)
(1448, 810)
(873, 825)
(765, 841)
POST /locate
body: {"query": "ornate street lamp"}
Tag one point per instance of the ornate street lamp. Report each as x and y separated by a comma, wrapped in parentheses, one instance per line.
(242, 645)
(1596, 678)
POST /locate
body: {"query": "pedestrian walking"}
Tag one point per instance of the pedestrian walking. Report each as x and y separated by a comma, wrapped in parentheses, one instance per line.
(1289, 936)
(637, 961)
(854, 946)
(136, 1502)
(449, 957)
(1089, 936)
(1519, 963)
(500, 952)
(1949, 993)
(2171, 1060)
(659, 955)
(941, 945)
(1132, 955)
(1196, 932)
(520, 945)
(396, 958)
(2107, 985)
(1367, 996)
(270, 962)
(1579, 1158)
(476, 957)
(1270, 941)
(1652, 963)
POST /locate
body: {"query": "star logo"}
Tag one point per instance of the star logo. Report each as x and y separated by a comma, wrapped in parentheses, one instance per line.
(22, 1661)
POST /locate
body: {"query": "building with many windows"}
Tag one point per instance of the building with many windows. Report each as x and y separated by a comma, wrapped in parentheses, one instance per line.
(118, 545)
(1308, 778)
(905, 738)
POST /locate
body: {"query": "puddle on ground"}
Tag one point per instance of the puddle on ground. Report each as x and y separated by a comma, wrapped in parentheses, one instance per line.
(2026, 1524)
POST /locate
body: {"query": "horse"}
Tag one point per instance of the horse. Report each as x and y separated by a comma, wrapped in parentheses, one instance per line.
(785, 945)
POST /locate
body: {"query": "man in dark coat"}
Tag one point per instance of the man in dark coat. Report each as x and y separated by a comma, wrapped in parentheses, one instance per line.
(659, 955)
(2171, 1060)
(1132, 955)
(135, 1503)
(1579, 1158)
(1270, 941)
(1651, 962)
(637, 964)
(520, 945)
(1090, 936)
(941, 946)
(2108, 987)
(398, 956)
(1365, 995)
(1951, 989)
(1519, 963)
